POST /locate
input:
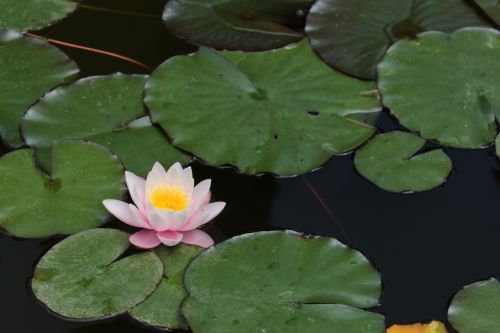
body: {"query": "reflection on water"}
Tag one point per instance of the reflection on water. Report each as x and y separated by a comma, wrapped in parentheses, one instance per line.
(427, 245)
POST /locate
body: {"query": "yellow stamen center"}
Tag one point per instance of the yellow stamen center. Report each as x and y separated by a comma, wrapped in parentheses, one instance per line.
(169, 197)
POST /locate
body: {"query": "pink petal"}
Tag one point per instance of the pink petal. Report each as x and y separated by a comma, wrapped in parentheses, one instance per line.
(197, 237)
(137, 189)
(200, 194)
(121, 211)
(170, 238)
(173, 173)
(145, 239)
(140, 219)
(204, 215)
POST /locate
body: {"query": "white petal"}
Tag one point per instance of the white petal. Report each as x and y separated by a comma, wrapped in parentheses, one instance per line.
(137, 189)
(200, 193)
(204, 215)
(121, 211)
(162, 219)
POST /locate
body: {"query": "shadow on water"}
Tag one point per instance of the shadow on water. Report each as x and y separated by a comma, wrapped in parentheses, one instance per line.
(427, 245)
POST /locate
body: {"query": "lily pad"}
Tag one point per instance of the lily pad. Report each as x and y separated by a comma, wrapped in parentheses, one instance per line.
(445, 86)
(30, 68)
(82, 278)
(23, 15)
(161, 309)
(491, 8)
(65, 201)
(281, 111)
(353, 35)
(237, 24)
(389, 161)
(103, 109)
(281, 282)
(476, 308)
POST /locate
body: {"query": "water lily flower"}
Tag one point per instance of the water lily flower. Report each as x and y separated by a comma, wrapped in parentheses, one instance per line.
(432, 327)
(168, 208)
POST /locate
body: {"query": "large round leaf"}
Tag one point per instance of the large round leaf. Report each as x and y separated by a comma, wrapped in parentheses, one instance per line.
(81, 278)
(161, 309)
(104, 109)
(447, 87)
(389, 161)
(281, 282)
(68, 199)
(22, 15)
(491, 8)
(476, 308)
(236, 24)
(30, 68)
(281, 111)
(352, 35)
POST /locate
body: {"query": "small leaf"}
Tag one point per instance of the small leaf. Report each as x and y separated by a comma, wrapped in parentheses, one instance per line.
(65, 201)
(82, 278)
(161, 309)
(281, 282)
(476, 308)
(281, 111)
(103, 109)
(30, 68)
(353, 35)
(236, 24)
(389, 161)
(446, 87)
(23, 15)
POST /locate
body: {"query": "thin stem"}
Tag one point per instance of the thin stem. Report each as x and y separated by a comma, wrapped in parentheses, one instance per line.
(325, 206)
(115, 11)
(90, 49)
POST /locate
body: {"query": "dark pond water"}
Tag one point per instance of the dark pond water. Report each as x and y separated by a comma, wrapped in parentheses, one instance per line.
(426, 245)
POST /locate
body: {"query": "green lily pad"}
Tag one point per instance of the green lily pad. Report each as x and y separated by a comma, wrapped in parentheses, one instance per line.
(445, 86)
(161, 309)
(281, 111)
(281, 282)
(82, 278)
(236, 24)
(23, 15)
(65, 201)
(30, 68)
(476, 308)
(491, 8)
(389, 161)
(103, 109)
(353, 35)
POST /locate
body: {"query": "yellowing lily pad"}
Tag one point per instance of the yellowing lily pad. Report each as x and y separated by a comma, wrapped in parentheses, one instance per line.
(103, 109)
(353, 35)
(391, 162)
(432, 327)
(476, 308)
(29, 68)
(282, 111)
(82, 277)
(23, 15)
(161, 309)
(447, 87)
(237, 24)
(66, 200)
(281, 282)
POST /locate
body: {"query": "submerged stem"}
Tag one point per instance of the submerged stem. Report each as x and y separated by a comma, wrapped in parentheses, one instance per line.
(116, 11)
(325, 206)
(90, 49)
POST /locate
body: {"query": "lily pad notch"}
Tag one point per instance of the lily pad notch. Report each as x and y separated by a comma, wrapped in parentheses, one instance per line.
(282, 282)
(282, 111)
